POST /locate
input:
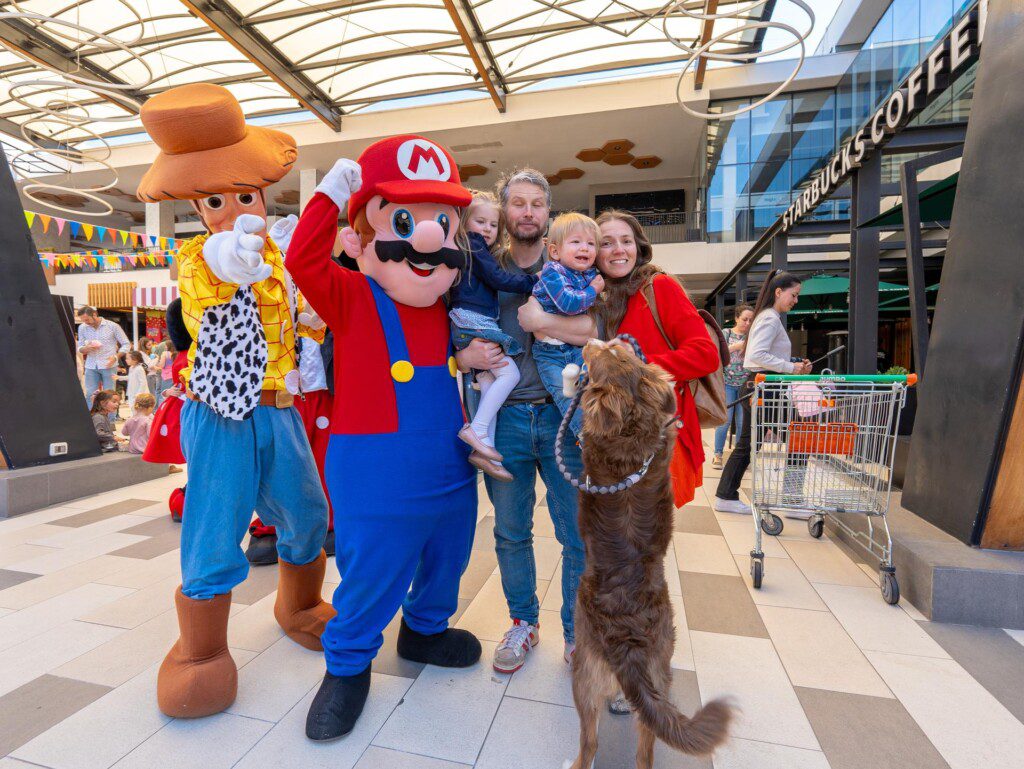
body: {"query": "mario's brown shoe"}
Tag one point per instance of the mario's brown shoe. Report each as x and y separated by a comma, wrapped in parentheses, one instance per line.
(300, 610)
(198, 677)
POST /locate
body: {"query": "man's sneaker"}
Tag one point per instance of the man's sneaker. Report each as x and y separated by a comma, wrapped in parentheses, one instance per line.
(717, 461)
(732, 506)
(570, 649)
(511, 652)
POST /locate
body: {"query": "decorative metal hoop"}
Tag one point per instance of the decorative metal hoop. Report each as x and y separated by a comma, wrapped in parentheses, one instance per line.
(704, 50)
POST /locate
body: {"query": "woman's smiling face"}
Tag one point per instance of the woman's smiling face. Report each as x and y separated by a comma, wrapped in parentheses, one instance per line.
(617, 254)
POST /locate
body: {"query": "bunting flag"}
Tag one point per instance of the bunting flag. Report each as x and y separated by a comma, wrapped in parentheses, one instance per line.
(30, 217)
(101, 232)
(60, 224)
(87, 229)
(124, 236)
(76, 229)
(45, 220)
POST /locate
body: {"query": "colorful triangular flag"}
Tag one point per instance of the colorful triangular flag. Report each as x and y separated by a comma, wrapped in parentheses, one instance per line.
(45, 219)
(30, 217)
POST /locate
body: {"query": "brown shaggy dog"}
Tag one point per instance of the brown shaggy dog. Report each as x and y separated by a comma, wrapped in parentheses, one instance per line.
(624, 632)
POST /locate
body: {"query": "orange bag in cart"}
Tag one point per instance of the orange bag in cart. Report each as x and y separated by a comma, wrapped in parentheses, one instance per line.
(827, 438)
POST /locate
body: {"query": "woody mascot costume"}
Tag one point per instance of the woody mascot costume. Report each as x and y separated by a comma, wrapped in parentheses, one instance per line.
(403, 491)
(244, 442)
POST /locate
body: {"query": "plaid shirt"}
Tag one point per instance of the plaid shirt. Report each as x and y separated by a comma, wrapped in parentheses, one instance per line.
(562, 291)
(200, 288)
(112, 340)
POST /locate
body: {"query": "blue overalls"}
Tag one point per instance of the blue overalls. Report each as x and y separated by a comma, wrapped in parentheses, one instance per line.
(404, 510)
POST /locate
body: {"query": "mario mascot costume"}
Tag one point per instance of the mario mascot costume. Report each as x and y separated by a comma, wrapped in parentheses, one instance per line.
(244, 443)
(404, 494)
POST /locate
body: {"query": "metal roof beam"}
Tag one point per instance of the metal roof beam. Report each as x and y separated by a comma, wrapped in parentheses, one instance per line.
(473, 39)
(257, 49)
(25, 40)
(706, 30)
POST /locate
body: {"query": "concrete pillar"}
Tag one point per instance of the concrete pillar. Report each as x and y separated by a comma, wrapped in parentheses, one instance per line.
(160, 219)
(308, 179)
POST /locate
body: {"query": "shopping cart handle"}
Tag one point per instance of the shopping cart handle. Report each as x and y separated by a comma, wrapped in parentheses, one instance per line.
(908, 379)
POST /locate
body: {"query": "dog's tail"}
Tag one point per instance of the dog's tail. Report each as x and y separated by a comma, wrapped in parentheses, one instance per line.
(699, 735)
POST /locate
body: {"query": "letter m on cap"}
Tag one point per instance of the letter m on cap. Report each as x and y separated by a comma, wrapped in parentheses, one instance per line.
(420, 159)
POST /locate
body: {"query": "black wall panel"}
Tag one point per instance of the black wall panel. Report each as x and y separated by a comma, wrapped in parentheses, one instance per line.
(41, 401)
(970, 381)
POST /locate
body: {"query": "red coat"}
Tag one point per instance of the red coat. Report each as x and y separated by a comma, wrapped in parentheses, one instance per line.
(691, 356)
(364, 393)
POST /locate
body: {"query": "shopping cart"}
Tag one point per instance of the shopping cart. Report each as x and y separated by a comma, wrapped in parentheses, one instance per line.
(824, 446)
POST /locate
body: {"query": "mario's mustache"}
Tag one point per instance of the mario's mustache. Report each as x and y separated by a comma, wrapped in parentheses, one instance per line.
(400, 250)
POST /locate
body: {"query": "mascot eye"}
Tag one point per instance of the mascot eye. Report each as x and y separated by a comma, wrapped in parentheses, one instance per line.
(214, 202)
(246, 198)
(445, 223)
(402, 223)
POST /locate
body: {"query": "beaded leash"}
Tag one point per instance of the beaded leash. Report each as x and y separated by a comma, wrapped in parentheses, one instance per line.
(586, 485)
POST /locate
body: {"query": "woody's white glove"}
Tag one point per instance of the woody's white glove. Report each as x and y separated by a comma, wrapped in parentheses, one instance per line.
(236, 256)
(341, 181)
(311, 320)
(282, 230)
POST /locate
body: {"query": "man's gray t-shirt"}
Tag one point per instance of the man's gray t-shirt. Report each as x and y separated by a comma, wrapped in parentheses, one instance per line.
(530, 388)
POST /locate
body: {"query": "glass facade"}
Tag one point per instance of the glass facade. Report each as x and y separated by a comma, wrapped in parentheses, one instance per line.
(757, 163)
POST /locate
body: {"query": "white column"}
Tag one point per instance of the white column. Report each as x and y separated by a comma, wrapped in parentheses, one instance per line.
(308, 179)
(160, 219)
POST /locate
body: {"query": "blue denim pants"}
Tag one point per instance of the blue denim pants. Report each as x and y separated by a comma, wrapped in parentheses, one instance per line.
(731, 394)
(262, 463)
(550, 360)
(98, 379)
(526, 439)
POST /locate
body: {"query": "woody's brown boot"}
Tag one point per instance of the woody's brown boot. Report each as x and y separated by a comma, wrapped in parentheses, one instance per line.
(300, 610)
(198, 676)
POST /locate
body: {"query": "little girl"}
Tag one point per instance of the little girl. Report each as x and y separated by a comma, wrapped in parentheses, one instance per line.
(474, 314)
(138, 426)
(136, 377)
(105, 403)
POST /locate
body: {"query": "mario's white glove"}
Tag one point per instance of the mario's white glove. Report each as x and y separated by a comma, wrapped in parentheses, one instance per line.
(282, 230)
(235, 256)
(341, 181)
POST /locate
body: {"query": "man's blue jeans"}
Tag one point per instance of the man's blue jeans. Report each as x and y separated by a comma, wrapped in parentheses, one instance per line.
(98, 379)
(526, 439)
(731, 394)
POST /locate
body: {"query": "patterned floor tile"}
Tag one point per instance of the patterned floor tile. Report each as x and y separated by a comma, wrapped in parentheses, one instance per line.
(719, 604)
(104, 512)
(34, 707)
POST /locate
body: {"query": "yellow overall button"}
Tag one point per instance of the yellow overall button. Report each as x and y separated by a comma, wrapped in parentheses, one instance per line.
(402, 370)
(452, 366)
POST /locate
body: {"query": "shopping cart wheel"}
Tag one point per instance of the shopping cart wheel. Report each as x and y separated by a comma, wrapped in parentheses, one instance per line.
(771, 524)
(890, 587)
(816, 527)
(756, 570)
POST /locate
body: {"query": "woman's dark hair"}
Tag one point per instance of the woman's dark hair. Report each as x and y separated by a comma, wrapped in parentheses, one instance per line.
(777, 279)
(100, 399)
(176, 329)
(617, 293)
(741, 308)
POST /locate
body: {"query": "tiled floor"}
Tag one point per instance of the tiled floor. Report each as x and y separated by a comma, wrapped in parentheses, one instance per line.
(824, 672)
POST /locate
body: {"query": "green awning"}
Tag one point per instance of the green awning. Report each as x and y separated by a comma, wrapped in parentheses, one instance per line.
(936, 205)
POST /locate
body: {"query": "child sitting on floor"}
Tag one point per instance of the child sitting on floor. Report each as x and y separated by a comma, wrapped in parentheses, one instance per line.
(138, 426)
(474, 314)
(105, 403)
(568, 285)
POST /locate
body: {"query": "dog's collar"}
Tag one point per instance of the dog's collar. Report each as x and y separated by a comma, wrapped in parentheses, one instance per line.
(628, 481)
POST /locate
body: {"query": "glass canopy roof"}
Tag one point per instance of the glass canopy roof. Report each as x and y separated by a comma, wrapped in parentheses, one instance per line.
(329, 57)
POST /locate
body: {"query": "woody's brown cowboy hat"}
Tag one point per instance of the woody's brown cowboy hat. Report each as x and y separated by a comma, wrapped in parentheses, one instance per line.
(206, 147)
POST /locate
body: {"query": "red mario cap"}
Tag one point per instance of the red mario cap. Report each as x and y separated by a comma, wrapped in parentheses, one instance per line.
(408, 169)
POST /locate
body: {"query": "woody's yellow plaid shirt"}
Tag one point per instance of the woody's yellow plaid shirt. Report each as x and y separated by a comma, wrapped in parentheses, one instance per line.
(199, 288)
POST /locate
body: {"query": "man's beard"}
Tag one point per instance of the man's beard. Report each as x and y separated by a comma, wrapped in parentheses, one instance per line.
(526, 240)
(402, 251)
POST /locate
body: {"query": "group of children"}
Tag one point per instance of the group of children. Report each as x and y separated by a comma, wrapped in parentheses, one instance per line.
(134, 433)
(568, 284)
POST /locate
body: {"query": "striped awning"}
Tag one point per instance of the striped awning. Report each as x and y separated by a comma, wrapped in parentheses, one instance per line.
(155, 297)
(111, 296)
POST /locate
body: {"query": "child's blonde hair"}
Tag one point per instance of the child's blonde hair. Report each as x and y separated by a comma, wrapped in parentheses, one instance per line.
(144, 401)
(565, 224)
(500, 246)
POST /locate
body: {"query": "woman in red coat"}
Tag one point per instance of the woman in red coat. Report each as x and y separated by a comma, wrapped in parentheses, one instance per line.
(624, 260)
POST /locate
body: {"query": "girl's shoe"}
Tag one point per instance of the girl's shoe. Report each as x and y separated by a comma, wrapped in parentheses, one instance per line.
(717, 461)
(489, 466)
(468, 435)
